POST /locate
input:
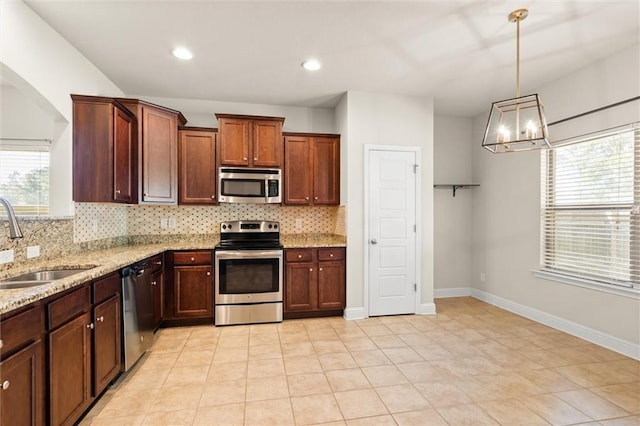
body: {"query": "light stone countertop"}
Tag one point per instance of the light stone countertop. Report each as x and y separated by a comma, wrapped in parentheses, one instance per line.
(102, 262)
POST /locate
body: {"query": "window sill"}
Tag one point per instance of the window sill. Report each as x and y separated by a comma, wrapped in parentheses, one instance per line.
(630, 292)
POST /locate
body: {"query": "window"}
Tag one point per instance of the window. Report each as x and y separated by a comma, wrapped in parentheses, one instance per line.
(590, 205)
(24, 178)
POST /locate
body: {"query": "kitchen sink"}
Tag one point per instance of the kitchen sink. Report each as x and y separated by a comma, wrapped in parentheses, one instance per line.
(31, 279)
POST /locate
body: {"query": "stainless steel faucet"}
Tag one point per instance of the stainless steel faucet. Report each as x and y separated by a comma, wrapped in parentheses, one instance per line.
(14, 228)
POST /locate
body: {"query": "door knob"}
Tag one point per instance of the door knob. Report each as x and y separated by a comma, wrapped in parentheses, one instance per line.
(374, 241)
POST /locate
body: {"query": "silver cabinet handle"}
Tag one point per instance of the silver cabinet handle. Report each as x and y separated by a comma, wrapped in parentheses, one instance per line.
(90, 326)
(5, 385)
(101, 319)
(153, 283)
(374, 241)
(117, 191)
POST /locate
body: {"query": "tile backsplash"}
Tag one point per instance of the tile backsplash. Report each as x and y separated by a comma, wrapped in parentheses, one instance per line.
(103, 225)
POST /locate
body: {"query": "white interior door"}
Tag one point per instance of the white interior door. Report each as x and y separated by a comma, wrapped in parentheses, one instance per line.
(392, 232)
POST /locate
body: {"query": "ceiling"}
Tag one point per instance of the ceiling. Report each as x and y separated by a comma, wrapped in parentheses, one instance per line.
(462, 53)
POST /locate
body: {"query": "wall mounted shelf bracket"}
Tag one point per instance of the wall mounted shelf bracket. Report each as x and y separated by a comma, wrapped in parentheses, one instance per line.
(455, 186)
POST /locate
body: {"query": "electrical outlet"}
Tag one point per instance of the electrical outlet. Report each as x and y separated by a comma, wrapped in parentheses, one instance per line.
(172, 222)
(33, 251)
(6, 256)
(298, 223)
(164, 222)
(482, 277)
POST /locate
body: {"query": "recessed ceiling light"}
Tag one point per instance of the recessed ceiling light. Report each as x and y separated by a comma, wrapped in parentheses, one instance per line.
(311, 65)
(182, 53)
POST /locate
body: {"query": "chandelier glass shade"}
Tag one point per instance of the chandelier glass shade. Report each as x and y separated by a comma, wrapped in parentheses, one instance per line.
(517, 124)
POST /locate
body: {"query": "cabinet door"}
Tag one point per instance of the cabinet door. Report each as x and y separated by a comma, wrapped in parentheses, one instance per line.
(197, 167)
(124, 185)
(267, 143)
(159, 156)
(234, 141)
(326, 170)
(331, 285)
(301, 287)
(22, 399)
(107, 341)
(156, 296)
(70, 370)
(192, 291)
(297, 170)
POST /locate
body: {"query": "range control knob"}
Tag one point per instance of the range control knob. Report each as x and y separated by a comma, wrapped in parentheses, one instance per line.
(230, 226)
(270, 226)
(275, 226)
(224, 226)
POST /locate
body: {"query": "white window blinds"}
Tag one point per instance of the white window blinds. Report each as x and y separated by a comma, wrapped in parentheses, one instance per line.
(24, 177)
(590, 206)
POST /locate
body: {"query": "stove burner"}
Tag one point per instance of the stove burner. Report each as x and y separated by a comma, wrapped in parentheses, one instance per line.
(249, 235)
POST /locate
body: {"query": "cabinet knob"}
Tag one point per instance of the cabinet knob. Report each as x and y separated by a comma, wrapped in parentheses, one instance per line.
(310, 269)
(1, 344)
(213, 197)
(193, 259)
(145, 194)
(208, 274)
(330, 254)
(101, 319)
(299, 256)
(90, 326)
(117, 191)
(255, 158)
(5, 385)
(315, 198)
(244, 158)
(153, 283)
(320, 269)
(159, 262)
(306, 198)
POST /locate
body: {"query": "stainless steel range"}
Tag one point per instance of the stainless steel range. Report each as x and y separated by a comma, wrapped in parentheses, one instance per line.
(249, 271)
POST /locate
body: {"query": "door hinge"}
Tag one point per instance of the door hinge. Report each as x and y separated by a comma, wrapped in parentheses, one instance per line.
(415, 287)
(415, 168)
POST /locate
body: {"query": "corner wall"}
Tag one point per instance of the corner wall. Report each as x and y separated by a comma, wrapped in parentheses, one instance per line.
(380, 119)
(506, 218)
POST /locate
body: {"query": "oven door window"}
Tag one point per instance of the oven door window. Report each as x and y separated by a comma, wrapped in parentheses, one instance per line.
(243, 188)
(241, 276)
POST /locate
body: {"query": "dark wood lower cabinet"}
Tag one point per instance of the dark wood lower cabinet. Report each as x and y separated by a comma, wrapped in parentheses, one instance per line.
(22, 389)
(70, 370)
(192, 289)
(315, 281)
(107, 359)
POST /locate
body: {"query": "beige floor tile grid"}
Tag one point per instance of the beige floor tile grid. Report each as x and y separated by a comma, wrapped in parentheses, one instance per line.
(471, 364)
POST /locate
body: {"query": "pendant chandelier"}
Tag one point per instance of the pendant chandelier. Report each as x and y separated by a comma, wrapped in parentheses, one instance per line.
(517, 124)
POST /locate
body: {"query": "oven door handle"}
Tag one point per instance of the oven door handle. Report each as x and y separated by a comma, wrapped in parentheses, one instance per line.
(248, 254)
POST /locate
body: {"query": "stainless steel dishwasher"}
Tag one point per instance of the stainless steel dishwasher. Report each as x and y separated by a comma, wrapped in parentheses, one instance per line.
(137, 311)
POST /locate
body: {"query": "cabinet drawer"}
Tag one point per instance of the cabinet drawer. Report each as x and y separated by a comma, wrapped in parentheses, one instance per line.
(106, 287)
(68, 307)
(156, 262)
(298, 255)
(332, 253)
(20, 329)
(192, 257)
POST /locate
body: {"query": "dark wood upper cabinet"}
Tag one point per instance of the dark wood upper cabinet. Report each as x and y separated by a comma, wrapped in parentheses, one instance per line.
(311, 169)
(197, 166)
(104, 151)
(157, 151)
(249, 141)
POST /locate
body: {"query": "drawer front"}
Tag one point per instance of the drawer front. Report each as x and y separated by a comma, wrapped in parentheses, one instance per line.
(298, 255)
(331, 253)
(192, 257)
(157, 262)
(20, 329)
(68, 307)
(106, 287)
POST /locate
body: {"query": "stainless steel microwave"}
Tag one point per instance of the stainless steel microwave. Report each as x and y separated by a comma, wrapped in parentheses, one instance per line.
(249, 185)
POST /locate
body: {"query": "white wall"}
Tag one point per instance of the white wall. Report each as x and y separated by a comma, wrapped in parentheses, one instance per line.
(380, 119)
(452, 215)
(201, 113)
(21, 117)
(506, 215)
(44, 66)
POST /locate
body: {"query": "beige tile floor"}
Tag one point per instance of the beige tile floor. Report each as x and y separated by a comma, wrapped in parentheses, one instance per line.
(471, 364)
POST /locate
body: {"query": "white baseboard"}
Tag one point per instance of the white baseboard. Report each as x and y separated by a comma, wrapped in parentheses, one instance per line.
(440, 293)
(427, 309)
(616, 344)
(354, 313)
